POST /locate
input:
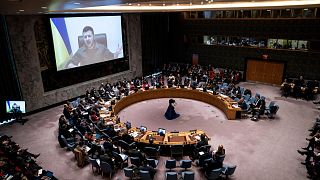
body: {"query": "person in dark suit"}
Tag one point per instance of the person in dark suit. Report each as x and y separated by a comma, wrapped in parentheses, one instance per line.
(171, 113)
(259, 108)
(203, 141)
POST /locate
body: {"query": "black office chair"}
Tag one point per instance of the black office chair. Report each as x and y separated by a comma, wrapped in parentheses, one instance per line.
(187, 175)
(128, 172)
(170, 164)
(152, 152)
(126, 146)
(106, 168)
(94, 165)
(145, 175)
(100, 38)
(176, 151)
(152, 162)
(185, 164)
(171, 175)
(70, 143)
(135, 161)
(120, 159)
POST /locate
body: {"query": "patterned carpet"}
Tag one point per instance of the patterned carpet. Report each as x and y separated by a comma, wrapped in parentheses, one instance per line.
(264, 150)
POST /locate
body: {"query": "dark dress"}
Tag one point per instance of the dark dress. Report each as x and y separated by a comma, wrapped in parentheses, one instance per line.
(171, 113)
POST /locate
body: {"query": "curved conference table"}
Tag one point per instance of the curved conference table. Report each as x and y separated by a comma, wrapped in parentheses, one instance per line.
(224, 103)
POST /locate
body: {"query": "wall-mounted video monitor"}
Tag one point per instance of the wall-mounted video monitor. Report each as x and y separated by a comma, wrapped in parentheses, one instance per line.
(85, 40)
(15, 106)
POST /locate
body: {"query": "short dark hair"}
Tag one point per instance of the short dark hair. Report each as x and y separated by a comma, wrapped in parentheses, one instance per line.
(88, 28)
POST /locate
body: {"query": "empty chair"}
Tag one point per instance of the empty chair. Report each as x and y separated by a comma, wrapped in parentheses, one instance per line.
(94, 165)
(152, 162)
(135, 160)
(176, 151)
(214, 174)
(152, 152)
(170, 164)
(128, 172)
(171, 175)
(187, 175)
(272, 111)
(270, 104)
(125, 146)
(228, 170)
(106, 168)
(145, 175)
(185, 164)
(70, 143)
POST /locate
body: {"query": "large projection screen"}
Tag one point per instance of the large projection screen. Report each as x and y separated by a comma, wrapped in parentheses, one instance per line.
(75, 45)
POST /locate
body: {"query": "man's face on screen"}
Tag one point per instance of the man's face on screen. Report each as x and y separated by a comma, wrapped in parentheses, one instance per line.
(88, 39)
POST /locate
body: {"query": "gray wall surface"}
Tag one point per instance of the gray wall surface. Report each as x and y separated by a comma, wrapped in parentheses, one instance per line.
(24, 47)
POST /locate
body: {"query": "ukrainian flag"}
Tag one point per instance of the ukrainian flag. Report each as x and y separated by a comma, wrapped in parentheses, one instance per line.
(62, 47)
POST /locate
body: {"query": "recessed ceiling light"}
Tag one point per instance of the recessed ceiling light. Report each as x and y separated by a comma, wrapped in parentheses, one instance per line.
(305, 9)
(21, 10)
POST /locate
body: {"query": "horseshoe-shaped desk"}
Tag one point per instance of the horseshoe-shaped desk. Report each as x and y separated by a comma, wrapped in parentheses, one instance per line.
(224, 103)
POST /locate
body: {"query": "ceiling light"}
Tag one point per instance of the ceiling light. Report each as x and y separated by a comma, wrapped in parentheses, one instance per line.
(201, 2)
(44, 7)
(21, 10)
(287, 9)
(149, 4)
(268, 10)
(163, 4)
(130, 4)
(138, 4)
(76, 3)
(40, 12)
(305, 9)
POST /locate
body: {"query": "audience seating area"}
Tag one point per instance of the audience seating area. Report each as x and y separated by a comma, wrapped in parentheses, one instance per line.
(18, 163)
(300, 88)
(312, 151)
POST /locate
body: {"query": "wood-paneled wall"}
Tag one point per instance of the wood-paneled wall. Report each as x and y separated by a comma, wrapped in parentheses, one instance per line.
(270, 72)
